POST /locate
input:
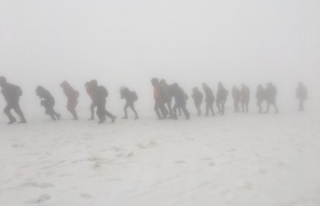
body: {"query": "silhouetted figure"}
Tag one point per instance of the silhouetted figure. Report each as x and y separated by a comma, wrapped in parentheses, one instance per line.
(72, 96)
(198, 98)
(260, 96)
(236, 94)
(165, 91)
(180, 101)
(270, 94)
(48, 102)
(221, 98)
(91, 93)
(245, 98)
(130, 98)
(302, 95)
(159, 100)
(12, 94)
(209, 99)
(100, 94)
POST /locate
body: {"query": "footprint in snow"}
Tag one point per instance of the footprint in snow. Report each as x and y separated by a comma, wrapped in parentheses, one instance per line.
(39, 200)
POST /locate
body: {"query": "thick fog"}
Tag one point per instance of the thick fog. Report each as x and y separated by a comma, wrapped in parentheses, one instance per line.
(184, 41)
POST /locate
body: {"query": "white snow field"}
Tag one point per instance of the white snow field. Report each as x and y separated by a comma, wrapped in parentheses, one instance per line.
(237, 159)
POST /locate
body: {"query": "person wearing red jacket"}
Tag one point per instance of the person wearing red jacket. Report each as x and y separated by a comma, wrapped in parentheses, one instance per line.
(160, 99)
(72, 96)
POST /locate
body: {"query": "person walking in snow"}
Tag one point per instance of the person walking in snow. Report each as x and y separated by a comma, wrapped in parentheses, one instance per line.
(180, 101)
(12, 94)
(72, 96)
(221, 98)
(130, 97)
(209, 99)
(301, 95)
(197, 98)
(159, 100)
(91, 93)
(245, 98)
(270, 94)
(48, 102)
(260, 96)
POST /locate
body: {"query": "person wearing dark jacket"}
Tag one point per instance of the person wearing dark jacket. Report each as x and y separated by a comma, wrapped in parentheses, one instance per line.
(12, 94)
(198, 98)
(180, 101)
(245, 98)
(91, 94)
(165, 90)
(236, 94)
(100, 94)
(159, 99)
(209, 99)
(221, 98)
(260, 96)
(72, 96)
(270, 94)
(302, 95)
(48, 102)
(130, 98)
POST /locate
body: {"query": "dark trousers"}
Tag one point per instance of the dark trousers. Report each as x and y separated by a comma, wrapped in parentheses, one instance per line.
(92, 107)
(259, 103)
(183, 108)
(301, 105)
(209, 107)
(160, 108)
(50, 110)
(72, 104)
(272, 103)
(169, 105)
(102, 112)
(236, 106)
(220, 105)
(131, 105)
(16, 107)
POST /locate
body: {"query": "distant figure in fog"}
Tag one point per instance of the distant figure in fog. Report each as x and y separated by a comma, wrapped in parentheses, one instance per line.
(236, 94)
(197, 98)
(100, 94)
(12, 94)
(260, 96)
(72, 96)
(270, 94)
(91, 93)
(165, 91)
(222, 95)
(48, 102)
(130, 98)
(159, 99)
(302, 95)
(209, 99)
(245, 98)
(180, 101)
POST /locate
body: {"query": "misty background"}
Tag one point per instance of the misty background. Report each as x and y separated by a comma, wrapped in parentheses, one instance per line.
(188, 42)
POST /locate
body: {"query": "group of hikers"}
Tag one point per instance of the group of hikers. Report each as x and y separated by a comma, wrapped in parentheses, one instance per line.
(164, 94)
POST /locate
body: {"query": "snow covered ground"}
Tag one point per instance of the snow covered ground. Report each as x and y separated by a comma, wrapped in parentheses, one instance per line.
(237, 159)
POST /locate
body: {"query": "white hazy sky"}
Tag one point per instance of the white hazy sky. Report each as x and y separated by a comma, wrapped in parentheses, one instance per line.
(186, 41)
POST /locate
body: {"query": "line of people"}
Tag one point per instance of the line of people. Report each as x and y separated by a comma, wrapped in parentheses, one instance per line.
(164, 94)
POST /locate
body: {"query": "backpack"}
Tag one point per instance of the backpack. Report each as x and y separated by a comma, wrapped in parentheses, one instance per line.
(103, 91)
(18, 91)
(134, 96)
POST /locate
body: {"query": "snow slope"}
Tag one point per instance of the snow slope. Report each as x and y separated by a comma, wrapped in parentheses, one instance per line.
(237, 159)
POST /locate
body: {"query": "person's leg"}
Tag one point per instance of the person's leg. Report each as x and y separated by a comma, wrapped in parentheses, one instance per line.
(156, 108)
(185, 111)
(169, 103)
(50, 111)
(18, 110)
(9, 115)
(207, 108)
(126, 110)
(179, 110)
(92, 106)
(276, 108)
(222, 107)
(101, 112)
(164, 111)
(219, 108)
(175, 107)
(134, 110)
(268, 107)
(211, 108)
(72, 109)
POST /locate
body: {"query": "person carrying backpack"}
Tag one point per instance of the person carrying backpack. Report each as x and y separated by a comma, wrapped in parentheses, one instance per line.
(100, 94)
(72, 96)
(12, 94)
(222, 95)
(48, 102)
(130, 98)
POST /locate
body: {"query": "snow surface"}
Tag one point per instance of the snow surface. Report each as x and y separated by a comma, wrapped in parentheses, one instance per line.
(236, 159)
